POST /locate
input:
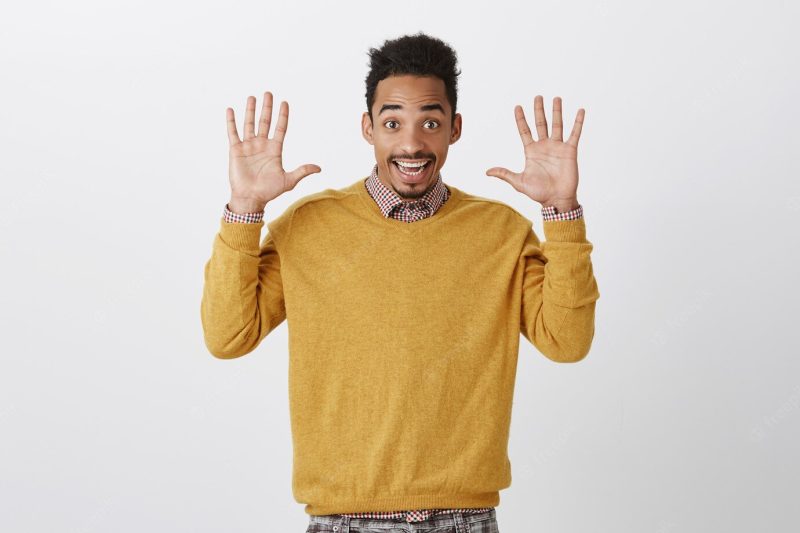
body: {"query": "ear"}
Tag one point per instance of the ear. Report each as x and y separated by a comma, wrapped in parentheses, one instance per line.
(455, 134)
(366, 127)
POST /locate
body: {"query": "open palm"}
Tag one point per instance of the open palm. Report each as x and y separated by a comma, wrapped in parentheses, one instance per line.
(551, 165)
(256, 163)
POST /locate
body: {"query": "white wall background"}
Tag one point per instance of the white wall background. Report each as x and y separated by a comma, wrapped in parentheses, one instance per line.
(114, 417)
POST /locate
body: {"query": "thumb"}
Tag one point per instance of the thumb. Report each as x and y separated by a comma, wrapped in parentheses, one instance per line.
(302, 171)
(502, 173)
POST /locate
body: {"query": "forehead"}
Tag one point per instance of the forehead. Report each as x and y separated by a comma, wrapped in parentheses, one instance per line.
(410, 90)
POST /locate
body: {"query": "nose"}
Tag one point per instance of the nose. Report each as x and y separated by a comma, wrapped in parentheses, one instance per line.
(412, 142)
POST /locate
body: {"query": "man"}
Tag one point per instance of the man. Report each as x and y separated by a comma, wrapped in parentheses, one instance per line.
(405, 299)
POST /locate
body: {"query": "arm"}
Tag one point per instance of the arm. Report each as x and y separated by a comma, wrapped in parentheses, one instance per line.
(243, 292)
(559, 291)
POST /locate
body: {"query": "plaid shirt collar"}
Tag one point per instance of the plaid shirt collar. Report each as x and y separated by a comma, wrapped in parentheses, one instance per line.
(391, 205)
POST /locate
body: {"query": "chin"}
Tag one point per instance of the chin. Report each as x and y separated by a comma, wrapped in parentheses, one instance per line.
(411, 191)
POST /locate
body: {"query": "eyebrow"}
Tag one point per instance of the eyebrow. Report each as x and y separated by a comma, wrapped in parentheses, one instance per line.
(426, 107)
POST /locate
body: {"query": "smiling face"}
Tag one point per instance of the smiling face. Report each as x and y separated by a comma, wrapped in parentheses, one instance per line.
(412, 125)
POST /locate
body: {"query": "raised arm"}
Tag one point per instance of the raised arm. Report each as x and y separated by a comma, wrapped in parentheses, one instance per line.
(559, 291)
(559, 287)
(242, 298)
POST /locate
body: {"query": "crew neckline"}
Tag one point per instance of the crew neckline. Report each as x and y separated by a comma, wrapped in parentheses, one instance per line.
(455, 198)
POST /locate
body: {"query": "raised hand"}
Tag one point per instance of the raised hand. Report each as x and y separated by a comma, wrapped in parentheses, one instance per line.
(550, 176)
(255, 165)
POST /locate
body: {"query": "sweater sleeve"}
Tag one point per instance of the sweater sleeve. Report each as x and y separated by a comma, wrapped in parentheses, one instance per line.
(559, 291)
(243, 293)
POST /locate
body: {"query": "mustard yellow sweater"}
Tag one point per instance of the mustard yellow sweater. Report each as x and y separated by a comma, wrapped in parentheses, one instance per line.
(403, 338)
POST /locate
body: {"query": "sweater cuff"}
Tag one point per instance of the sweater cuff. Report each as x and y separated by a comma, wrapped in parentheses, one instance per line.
(242, 237)
(565, 230)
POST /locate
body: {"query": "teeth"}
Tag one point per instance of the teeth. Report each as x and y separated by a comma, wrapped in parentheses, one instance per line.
(410, 165)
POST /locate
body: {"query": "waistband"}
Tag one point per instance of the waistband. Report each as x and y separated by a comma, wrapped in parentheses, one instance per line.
(457, 520)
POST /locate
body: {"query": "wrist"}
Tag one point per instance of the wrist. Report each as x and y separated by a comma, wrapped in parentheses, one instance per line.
(563, 205)
(245, 205)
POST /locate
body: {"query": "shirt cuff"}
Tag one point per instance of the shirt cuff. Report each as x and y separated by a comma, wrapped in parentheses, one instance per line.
(551, 213)
(245, 218)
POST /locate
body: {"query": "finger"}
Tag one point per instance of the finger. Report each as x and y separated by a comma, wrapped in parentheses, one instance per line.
(575, 136)
(522, 126)
(558, 126)
(250, 118)
(266, 115)
(301, 172)
(541, 121)
(233, 135)
(504, 174)
(283, 122)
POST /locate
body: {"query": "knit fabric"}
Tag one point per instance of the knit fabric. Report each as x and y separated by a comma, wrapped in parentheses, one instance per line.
(473, 269)
(392, 205)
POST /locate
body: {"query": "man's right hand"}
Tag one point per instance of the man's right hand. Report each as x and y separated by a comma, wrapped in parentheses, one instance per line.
(255, 166)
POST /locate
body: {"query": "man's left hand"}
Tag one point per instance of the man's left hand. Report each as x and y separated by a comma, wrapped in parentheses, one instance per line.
(551, 165)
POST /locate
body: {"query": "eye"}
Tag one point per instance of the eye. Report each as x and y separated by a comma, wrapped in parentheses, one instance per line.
(390, 122)
(433, 122)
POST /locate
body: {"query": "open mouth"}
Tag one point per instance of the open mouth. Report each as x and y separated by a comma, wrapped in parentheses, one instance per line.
(412, 171)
